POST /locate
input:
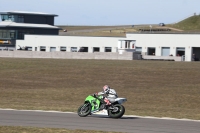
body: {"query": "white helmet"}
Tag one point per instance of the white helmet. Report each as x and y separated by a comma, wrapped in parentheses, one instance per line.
(106, 89)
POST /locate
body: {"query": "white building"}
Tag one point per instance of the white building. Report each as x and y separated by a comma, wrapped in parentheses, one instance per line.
(152, 45)
(68, 43)
(168, 44)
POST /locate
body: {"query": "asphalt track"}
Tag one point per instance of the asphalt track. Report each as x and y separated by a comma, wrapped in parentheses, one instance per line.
(128, 124)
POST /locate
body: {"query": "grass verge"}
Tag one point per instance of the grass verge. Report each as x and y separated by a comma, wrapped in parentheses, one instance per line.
(12, 129)
(153, 88)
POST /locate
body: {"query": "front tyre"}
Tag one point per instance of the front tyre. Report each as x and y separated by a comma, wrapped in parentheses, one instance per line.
(84, 110)
(118, 112)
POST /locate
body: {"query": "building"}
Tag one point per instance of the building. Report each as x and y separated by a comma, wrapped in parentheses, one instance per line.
(69, 43)
(170, 46)
(167, 44)
(16, 24)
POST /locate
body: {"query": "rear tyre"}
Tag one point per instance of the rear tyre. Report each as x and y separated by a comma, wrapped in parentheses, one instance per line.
(117, 113)
(84, 110)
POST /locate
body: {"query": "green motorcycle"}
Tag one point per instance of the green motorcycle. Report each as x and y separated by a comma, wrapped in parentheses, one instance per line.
(95, 104)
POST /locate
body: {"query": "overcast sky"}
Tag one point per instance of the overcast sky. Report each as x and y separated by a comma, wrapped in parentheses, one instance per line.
(108, 12)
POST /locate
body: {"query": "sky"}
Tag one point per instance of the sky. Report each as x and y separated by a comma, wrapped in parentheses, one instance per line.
(108, 12)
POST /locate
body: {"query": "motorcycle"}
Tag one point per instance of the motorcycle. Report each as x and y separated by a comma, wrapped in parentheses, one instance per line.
(95, 104)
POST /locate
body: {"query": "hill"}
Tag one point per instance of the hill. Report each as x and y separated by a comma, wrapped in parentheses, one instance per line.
(190, 24)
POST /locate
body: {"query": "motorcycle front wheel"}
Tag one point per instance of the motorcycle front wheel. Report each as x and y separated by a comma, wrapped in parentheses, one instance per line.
(84, 110)
(118, 112)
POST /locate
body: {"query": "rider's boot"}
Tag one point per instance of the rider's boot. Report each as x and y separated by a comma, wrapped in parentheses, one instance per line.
(103, 106)
(109, 106)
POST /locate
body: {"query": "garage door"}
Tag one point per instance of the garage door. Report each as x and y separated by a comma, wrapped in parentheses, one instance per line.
(52, 49)
(165, 51)
(138, 49)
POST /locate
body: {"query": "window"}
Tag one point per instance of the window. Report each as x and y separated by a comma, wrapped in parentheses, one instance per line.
(8, 34)
(7, 17)
(20, 18)
(96, 49)
(20, 35)
(4, 17)
(73, 49)
(108, 49)
(42, 48)
(62, 48)
(151, 51)
(127, 44)
(83, 49)
(180, 51)
(4, 35)
(12, 34)
(11, 17)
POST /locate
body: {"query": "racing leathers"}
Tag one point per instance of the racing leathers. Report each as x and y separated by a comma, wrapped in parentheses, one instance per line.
(109, 97)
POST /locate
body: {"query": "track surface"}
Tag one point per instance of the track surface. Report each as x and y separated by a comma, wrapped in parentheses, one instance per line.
(94, 122)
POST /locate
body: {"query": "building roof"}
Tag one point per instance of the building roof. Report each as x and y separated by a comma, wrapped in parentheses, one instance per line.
(27, 25)
(28, 13)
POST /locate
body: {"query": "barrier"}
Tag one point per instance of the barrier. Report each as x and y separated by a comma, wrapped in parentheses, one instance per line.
(67, 55)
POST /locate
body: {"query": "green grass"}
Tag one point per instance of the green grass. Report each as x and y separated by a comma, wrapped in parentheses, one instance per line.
(153, 88)
(11, 129)
(189, 24)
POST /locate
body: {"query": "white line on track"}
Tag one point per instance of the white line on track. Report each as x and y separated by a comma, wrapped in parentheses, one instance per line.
(148, 117)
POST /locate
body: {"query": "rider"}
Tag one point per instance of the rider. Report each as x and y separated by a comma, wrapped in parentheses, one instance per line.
(110, 95)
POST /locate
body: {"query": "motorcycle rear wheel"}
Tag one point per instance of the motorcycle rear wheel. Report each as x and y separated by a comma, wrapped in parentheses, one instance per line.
(119, 113)
(84, 111)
